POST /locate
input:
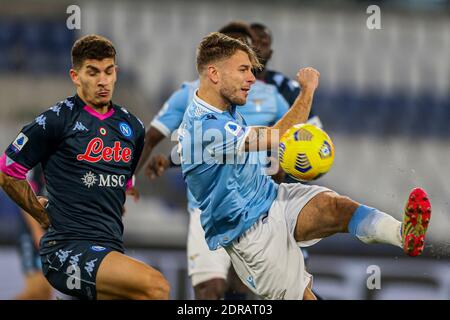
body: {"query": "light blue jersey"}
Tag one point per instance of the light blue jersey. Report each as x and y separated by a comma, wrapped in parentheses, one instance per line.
(228, 183)
(264, 107)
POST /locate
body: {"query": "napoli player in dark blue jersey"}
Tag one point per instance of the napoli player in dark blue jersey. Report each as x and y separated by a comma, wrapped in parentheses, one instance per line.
(36, 287)
(89, 148)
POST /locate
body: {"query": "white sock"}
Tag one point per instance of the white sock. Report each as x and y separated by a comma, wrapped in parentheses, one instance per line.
(373, 226)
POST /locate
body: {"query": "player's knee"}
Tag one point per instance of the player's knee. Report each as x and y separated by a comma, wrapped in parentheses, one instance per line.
(155, 287)
(332, 206)
(213, 289)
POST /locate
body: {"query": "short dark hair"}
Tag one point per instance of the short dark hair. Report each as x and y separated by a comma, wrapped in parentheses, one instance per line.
(218, 46)
(261, 27)
(239, 30)
(91, 47)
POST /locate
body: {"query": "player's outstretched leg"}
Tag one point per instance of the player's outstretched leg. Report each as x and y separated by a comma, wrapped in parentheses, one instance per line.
(122, 277)
(329, 213)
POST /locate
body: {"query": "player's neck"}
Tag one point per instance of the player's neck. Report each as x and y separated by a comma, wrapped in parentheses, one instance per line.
(211, 97)
(102, 109)
(99, 109)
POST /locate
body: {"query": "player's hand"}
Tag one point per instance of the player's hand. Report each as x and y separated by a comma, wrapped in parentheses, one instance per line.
(156, 167)
(44, 201)
(308, 78)
(134, 192)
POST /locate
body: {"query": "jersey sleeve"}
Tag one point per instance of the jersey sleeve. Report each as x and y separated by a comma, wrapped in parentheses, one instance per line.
(171, 114)
(223, 137)
(282, 106)
(34, 144)
(139, 147)
(140, 140)
(37, 180)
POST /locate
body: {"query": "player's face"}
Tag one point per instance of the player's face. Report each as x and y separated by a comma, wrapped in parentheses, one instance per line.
(236, 78)
(95, 81)
(263, 45)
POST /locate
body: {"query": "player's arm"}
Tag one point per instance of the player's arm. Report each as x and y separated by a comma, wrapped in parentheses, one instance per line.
(23, 195)
(35, 143)
(264, 138)
(131, 190)
(152, 138)
(164, 123)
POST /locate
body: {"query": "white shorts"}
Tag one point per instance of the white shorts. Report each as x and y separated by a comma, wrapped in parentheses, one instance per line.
(267, 257)
(204, 264)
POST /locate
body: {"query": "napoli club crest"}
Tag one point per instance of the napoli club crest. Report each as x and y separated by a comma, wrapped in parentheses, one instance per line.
(125, 129)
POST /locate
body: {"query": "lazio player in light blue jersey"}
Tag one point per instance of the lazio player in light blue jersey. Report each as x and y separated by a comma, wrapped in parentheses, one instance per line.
(257, 222)
(209, 270)
(265, 106)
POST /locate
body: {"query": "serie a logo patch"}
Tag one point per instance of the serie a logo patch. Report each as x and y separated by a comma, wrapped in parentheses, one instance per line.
(20, 142)
(234, 129)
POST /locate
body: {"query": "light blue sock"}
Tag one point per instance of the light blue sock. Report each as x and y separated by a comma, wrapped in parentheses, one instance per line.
(373, 226)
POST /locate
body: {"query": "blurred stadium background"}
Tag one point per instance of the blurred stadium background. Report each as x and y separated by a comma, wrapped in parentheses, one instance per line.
(384, 98)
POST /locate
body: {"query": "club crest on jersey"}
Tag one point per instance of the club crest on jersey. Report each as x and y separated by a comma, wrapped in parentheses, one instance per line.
(125, 129)
(96, 151)
(234, 129)
(20, 142)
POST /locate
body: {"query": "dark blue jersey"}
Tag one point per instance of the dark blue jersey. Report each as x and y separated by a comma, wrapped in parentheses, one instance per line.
(87, 159)
(36, 179)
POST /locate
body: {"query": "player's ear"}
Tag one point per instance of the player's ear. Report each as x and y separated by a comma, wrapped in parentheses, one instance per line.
(74, 76)
(213, 74)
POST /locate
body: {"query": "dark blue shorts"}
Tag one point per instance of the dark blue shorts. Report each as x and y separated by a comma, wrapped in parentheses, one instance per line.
(72, 268)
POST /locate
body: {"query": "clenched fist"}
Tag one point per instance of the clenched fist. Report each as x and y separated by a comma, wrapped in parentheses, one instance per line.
(308, 78)
(44, 219)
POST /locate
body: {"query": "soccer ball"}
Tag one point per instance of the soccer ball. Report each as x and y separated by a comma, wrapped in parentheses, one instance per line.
(306, 152)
